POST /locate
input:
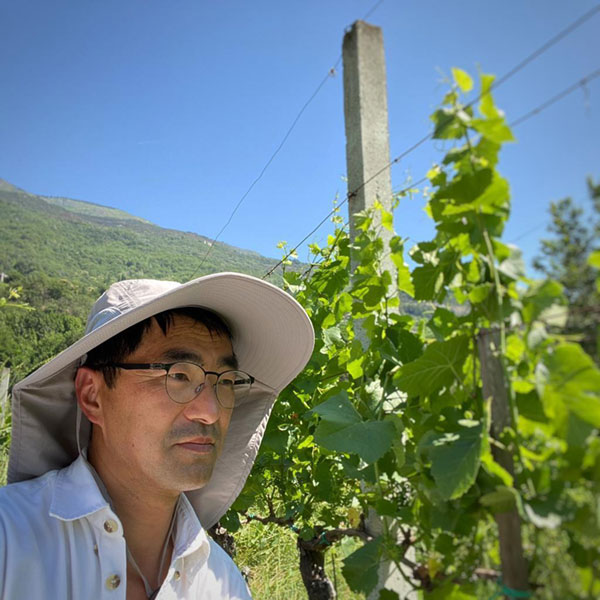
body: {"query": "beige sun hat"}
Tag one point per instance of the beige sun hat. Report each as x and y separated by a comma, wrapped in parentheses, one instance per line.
(273, 339)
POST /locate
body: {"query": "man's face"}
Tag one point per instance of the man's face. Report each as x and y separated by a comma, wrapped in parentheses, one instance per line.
(147, 439)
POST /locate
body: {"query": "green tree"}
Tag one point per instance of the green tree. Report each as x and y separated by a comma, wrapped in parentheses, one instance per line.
(575, 235)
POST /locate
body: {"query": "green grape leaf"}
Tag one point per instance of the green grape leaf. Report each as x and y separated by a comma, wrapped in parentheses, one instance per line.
(406, 346)
(455, 459)
(462, 79)
(515, 347)
(480, 292)
(362, 566)
(531, 407)
(556, 315)
(342, 429)
(495, 196)
(352, 470)
(387, 220)
(453, 155)
(446, 124)
(588, 579)
(541, 296)
(439, 366)
(404, 281)
(467, 187)
(276, 440)
(332, 337)
(443, 323)
(354, 367)
(427, 281)
(486, 106)
(488, 150)
(503, 499)
(513, 266)
(495, 469)
(573, 381)
(495, 130)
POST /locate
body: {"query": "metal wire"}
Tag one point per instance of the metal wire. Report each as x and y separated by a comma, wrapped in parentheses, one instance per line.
(556, 98)
(372, 9)
(537, 110)
(268, 163)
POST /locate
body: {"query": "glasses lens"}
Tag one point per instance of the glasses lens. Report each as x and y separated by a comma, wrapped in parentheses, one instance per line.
(232, 387)
(185, 382)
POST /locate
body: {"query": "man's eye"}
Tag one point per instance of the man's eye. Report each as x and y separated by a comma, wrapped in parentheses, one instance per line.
(179, 377)
(227, 382)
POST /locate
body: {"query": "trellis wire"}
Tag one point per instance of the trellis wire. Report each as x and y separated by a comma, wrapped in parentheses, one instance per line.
(534, 112)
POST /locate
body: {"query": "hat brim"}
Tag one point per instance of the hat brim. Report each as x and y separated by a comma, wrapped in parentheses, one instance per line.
(273, 336)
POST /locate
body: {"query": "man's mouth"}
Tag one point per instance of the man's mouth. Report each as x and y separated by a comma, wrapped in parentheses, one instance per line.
(199, 445)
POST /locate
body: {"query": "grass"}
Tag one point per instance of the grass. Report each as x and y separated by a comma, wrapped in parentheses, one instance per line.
(268, 555)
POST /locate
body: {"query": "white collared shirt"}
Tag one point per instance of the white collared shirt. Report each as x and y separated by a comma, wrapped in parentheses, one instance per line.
(60, 540)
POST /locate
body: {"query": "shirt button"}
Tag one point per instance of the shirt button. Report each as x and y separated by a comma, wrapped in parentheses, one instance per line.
(113, 582)
(110, 525)
(177, 575)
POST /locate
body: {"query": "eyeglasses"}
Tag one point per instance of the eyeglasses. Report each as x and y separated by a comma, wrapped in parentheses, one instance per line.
(185, 380)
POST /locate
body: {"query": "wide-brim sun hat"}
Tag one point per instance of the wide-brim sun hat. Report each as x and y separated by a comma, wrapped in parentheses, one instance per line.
(272, 338)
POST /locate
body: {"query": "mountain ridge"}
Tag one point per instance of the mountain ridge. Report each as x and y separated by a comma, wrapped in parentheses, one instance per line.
(104, 215)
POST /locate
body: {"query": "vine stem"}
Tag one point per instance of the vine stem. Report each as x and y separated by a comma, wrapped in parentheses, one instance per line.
(500, 299)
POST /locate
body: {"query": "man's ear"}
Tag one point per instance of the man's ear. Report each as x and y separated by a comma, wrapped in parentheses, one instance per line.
(88, 384)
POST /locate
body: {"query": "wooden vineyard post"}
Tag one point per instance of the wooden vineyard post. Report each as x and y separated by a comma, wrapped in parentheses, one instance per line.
(514, 566)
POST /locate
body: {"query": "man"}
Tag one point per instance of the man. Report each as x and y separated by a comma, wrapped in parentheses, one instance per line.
(133, 441)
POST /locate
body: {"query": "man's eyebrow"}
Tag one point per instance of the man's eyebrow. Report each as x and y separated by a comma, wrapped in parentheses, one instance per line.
(177, 354)
(230, 361)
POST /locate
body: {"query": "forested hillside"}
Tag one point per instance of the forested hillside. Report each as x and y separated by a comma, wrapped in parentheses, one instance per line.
(63, 254)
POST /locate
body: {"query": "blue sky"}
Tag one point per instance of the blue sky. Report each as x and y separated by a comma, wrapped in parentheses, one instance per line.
(169, 110)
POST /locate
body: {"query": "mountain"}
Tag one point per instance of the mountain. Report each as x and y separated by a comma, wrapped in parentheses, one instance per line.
(69, 238)
(63, 253)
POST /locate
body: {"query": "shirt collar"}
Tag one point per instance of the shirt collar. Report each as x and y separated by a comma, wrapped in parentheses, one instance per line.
(190, 536)
(76, 494)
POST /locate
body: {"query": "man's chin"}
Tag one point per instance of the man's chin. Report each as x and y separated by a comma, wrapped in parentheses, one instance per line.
(194, 479)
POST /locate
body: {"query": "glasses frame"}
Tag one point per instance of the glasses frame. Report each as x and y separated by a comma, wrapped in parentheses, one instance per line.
(167, 367)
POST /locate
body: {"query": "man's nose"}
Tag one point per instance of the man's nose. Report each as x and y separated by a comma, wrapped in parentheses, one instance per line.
(205, 406)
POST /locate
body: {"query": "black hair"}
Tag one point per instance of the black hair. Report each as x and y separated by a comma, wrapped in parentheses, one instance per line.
(119, 347)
